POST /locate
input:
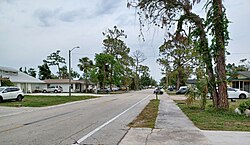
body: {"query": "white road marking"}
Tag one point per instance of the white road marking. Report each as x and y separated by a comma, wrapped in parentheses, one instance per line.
(100, 127)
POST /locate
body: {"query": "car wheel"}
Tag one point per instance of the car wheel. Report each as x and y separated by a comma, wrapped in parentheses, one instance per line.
(242, 96)
(44, 91)
(19, 98)
(55, 91)
(1, 99)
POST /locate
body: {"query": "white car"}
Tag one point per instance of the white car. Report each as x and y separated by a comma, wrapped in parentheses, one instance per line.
(11, 93)
(236, 93)
(53, 89)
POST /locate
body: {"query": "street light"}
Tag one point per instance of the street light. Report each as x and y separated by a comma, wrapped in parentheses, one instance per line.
(70, 68)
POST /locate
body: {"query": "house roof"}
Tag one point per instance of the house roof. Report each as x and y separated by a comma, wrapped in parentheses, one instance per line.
(245, 73)
(22, 78)
(241, 75)
(8, 69)
(63, 81)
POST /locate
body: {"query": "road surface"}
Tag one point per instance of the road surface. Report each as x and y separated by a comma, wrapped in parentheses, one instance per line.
(98, 121)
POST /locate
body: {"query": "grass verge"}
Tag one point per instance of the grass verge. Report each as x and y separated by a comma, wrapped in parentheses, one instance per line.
(147, 118)
(213, 119)
(41, 101)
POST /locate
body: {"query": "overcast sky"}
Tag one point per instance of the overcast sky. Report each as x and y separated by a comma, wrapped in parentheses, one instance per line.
(30, 30)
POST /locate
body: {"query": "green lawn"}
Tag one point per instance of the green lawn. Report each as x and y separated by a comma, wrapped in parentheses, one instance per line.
(41, 101)
(147, 117)
(212, 119)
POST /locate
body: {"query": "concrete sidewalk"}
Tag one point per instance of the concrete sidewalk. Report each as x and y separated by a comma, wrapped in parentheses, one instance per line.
(172, 128)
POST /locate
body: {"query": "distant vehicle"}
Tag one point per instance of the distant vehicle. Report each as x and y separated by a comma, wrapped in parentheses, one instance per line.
(237, 94)
(158, 90)
(11, 93)
(182, 90)
(103, 90)
(170, 88)
(53, 89)
(115, 89)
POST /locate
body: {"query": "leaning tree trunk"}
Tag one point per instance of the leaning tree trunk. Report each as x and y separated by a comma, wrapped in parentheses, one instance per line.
(204, 51)
(220, 54)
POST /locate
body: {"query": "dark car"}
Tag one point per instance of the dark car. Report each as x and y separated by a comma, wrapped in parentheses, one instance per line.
(182, 90)
(158, 91)
(170, 88)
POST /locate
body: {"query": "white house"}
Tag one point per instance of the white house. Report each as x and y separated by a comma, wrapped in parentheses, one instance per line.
(26, 82)
(76, 85)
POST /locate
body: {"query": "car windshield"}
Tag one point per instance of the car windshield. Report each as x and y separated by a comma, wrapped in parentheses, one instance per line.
(1, 89)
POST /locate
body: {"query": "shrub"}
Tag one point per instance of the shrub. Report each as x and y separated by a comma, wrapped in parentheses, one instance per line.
(7, 83)
(243, 106)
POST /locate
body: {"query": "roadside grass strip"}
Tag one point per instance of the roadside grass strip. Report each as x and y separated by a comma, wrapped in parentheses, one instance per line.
(147, 118)
(42, 101)
(213, 119)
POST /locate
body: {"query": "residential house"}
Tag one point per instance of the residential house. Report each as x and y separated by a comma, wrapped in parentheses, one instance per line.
(240, 80)
(26, 82)
(76, 85)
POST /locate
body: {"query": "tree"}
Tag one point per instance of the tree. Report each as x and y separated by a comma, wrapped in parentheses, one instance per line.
(74, 74)
(116, 47)
(44, 72)
(218, 24)
(85, 65)
(103, 62)
(179, 54)
(165, 13)
(55, 59)
(231, 69)
(32, 72)
(63, 72)
(24, 71)
(138, 58)
(145, 79)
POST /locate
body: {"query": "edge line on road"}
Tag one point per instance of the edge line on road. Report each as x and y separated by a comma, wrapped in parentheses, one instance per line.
(106, 123)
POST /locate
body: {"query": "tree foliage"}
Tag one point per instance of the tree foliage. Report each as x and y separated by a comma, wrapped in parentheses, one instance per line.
(168, 13)
(138, 58)
(54, 59)
(44, 72)
(116, 47)
(85, 65)
(180, 57)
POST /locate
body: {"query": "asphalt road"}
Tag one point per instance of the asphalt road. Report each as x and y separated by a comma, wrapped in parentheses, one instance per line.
(97, 121)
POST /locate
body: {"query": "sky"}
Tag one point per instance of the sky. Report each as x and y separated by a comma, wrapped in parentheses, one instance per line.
(30, 30)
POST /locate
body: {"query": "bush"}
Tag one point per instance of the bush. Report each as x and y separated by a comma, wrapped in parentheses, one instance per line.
(7, 83)
(243, 106)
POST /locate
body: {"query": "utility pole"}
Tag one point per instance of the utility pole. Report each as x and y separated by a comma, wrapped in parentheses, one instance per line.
(70, 69)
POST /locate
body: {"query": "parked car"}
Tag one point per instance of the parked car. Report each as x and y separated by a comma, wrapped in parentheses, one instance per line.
(170, 88)
(158, 90)
(182, 90)
(11, 93)
(115, 89)
(103, 90)
(237, 94)
(53, 89)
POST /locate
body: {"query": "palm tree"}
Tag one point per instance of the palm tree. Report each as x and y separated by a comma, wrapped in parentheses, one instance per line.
(85, 65)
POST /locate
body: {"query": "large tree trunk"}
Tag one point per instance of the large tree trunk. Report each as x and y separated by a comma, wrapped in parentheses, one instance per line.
(220, 54)
(110, 79)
